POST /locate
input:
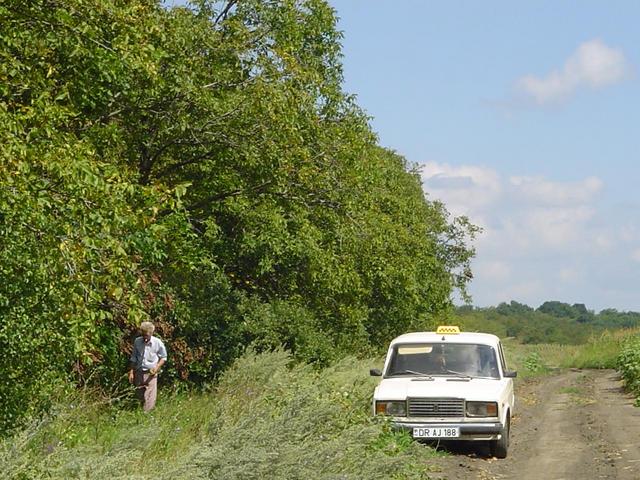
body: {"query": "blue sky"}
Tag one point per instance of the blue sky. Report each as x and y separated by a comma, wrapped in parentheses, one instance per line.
(526, 118)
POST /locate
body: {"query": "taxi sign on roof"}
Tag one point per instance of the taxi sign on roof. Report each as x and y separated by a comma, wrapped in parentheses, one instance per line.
(448, 329)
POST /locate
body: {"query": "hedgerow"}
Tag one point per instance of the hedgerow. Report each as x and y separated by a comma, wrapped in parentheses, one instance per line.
(200, 167)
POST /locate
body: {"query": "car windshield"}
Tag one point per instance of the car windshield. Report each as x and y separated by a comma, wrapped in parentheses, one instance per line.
(456, 359)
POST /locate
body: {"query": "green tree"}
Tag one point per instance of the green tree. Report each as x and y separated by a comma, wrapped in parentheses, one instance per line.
(201, 167)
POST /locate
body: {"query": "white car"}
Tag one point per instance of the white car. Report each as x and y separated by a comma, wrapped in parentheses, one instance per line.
(448, 385)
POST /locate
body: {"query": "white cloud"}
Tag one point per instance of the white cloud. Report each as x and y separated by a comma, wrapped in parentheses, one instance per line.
(545, 192)
(593, 65)
(466, 190)
(518, 213)
(560, 227)
(541, 238)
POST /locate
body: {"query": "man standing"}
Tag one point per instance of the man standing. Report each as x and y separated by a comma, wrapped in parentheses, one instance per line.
(148, 356)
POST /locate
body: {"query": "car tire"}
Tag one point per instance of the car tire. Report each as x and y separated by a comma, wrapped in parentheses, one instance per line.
(500, 447)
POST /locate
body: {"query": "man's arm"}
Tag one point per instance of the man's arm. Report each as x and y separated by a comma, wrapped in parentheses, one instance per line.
(162, 353)
(157, 368)
(133, 361)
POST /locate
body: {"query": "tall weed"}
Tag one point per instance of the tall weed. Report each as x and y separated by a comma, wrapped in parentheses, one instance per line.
(600, 351)
(629, 366)
(276, 422)
(267, 418)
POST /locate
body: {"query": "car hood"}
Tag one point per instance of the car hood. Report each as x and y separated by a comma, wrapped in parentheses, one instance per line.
(439, 387)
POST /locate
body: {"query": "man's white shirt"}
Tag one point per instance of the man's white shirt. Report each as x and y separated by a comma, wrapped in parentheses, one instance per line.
(146, 356)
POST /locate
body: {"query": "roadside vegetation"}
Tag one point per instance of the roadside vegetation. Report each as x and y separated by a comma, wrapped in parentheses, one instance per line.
(629, 365)
(600, 351)
(267, 418)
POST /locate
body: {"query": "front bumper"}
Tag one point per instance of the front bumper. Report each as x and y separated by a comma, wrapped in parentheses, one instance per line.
(468, 431)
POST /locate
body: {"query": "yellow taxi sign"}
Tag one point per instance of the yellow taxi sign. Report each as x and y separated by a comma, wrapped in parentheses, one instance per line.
(451, 329)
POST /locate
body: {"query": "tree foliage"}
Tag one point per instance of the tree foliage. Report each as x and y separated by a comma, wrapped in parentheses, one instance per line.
(200, 167)
(551, 322)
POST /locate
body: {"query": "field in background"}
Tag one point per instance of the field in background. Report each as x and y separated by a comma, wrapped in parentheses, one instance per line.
(600, 351)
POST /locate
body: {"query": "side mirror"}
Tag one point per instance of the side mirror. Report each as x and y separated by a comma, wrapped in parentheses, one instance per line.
(510, 374)
(375, 372)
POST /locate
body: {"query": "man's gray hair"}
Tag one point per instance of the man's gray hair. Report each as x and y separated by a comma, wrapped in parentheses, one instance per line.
(147, 327)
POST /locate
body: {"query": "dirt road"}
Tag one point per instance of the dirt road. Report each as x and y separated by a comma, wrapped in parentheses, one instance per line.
(576, 424)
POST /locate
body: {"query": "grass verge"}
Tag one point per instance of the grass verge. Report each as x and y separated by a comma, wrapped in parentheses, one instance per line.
(600, 351)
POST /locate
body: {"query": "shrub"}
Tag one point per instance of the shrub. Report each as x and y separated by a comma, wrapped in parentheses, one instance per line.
(629, 365)
(534, 364)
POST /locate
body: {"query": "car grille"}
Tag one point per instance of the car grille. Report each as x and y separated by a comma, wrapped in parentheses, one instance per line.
(436, 407)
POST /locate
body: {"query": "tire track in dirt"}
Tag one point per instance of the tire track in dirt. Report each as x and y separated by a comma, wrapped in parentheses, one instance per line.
(554, 444)
(574, 424)
(613, 413)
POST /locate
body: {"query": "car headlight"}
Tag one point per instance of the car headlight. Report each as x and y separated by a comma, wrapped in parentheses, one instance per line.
(482, 409)
(392, 408)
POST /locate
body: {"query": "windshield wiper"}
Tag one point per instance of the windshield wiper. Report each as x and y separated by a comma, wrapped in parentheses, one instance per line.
(457, 374)
(410, 372)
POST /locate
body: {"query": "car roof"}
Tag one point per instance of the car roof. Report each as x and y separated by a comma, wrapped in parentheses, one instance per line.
(433, 337)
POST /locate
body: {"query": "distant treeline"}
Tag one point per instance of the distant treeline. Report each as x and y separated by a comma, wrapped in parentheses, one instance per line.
(551, 322)
(201, 167)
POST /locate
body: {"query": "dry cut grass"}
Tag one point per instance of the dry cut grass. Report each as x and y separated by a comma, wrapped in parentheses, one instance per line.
(267, 418)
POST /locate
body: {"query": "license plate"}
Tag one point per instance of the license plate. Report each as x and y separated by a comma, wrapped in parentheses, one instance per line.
(436, 432)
